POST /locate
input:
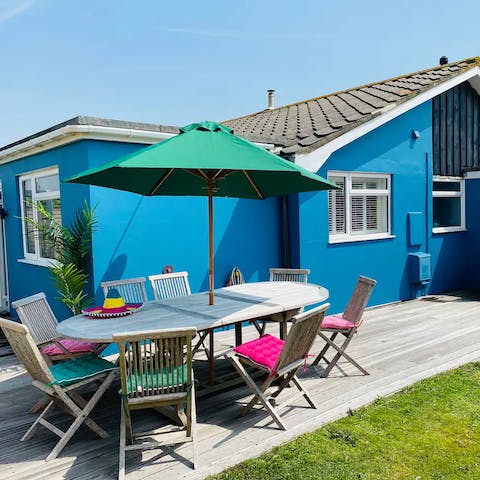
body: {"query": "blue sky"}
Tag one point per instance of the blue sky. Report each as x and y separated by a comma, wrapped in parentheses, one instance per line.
(178, 62)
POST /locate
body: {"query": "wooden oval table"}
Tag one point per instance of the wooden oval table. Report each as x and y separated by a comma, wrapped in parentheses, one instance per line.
(278, 301)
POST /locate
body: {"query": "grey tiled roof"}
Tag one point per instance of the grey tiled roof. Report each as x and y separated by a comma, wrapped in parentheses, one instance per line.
(307, 125)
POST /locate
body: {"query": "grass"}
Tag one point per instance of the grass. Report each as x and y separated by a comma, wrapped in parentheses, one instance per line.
(430, 430)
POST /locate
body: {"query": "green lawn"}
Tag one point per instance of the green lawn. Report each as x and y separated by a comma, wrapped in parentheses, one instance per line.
(428, 431)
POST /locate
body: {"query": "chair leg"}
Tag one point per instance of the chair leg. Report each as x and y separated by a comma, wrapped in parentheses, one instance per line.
(341, 353)
(39, 404)
(256, 391)
(38, 421)
(192, 424)
(353, 362)
(284, 383)
(122, 445)
(81, 416)
(264, 326)
(304, 391)
(265, 385)
(260, 326)
(324, 350)
(201, 342)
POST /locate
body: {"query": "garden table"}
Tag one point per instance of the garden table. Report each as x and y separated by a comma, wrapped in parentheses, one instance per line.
(277, 301)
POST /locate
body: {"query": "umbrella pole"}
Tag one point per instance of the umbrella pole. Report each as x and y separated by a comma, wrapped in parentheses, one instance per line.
(210, 244)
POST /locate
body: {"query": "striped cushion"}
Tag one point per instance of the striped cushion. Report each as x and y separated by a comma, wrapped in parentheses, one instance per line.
(174, 377)
(66, 373)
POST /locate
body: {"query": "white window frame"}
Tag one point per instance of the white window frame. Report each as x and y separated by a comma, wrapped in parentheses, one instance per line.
(348, 236)
(35, 258)
(441, 194)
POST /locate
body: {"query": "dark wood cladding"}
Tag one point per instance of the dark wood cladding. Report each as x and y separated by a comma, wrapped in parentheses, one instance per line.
(456, 131)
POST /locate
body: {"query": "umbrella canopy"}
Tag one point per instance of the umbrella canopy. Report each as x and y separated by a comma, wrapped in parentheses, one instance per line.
(205, 159)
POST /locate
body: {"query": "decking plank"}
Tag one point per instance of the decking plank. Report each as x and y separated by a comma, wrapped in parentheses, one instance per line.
(399, 344)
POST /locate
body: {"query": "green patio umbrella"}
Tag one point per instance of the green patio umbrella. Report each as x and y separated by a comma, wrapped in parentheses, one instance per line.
(205, 159)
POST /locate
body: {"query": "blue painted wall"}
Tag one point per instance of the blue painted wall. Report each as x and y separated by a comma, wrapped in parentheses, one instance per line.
(388, 149)
(26, 279)
(472, 203)
(138, 236)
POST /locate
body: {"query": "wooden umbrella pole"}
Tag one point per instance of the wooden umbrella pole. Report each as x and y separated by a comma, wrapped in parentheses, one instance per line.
(210, 243)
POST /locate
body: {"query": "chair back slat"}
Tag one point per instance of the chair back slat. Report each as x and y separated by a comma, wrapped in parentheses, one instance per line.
(303, 333)
(35, 313)
(155, 363)
(359, 299)
(132, 290)
(289, 275)
(26, 350)
(170, 285)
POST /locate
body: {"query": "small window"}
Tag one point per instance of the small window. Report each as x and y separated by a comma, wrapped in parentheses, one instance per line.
(41, 187)
(448, 204)
(361, 209)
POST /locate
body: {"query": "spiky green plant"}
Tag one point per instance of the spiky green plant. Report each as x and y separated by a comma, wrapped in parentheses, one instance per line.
(72, 245)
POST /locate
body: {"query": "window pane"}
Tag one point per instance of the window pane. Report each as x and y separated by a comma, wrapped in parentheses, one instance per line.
(358, 211)
(46, 184)
(53, 206)
(369, 214)
(447, 212)
(446, 186)
(29, 229)
(366, 183)
(336, 207)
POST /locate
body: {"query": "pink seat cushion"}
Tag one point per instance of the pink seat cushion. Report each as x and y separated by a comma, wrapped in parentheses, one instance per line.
(73, 346)
(264, 350)
(337, 322)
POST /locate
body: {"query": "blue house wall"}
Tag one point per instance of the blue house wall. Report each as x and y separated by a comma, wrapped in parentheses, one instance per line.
(387, 149)
(23, 278)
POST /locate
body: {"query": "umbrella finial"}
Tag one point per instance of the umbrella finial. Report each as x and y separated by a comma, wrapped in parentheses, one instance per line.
(206, 126)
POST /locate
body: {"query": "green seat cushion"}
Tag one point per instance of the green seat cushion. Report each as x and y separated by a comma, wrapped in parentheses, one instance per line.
(73, 371)
(174, 377)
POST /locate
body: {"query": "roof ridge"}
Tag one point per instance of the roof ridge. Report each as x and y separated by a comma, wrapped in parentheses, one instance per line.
(475, 61)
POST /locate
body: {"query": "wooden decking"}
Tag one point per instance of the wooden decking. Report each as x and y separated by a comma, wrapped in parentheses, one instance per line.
(399, 344)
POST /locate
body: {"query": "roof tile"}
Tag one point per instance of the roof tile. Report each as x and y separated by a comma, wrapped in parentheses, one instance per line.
(306, 125)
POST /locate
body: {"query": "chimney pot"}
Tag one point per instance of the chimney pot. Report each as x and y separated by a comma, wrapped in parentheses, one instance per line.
(443, 60)
(271, 99)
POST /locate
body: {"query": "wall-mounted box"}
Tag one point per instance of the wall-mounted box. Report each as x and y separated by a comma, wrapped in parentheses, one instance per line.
(419, 267)
(415, 228)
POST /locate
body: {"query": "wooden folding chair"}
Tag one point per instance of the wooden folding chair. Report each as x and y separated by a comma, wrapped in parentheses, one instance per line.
(59, 383)
(347, 325)
(35, 313)
(156, 371)
(132, 290)
(280, 360)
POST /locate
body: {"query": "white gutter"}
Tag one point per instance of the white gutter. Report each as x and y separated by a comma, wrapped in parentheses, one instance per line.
(73, 133)
(314, 160)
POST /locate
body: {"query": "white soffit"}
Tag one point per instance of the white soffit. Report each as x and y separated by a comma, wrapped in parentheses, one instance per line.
(313, 161)
(72, 133)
